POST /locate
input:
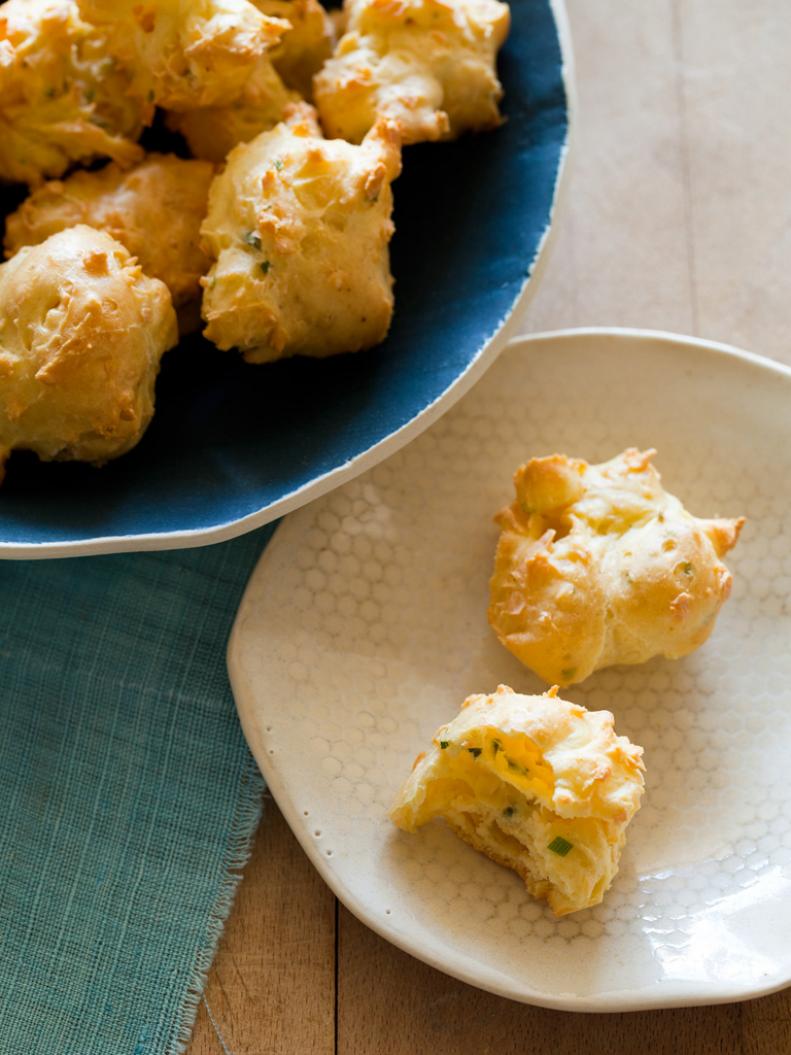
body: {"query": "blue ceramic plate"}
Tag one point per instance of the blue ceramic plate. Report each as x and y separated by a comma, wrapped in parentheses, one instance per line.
(233, 446)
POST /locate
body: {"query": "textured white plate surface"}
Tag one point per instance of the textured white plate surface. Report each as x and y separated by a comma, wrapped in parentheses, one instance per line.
(364, 627)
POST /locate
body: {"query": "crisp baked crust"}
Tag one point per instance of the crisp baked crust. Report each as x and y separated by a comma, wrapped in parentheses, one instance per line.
(428, 65)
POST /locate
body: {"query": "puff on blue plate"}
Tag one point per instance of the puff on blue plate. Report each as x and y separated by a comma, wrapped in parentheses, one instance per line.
(233, 446)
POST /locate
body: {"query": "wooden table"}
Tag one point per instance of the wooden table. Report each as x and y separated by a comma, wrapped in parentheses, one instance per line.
(677, 216)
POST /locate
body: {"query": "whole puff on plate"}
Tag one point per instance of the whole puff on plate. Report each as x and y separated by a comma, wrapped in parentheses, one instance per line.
(154, 209)
(186, 53)
(82, 331)
(63, 98)
(428, 65)
(598, 565)
(298, 227)
(537, 784)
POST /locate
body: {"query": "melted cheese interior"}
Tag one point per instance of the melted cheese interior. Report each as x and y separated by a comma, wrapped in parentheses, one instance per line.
(538, 784)
(496, 800)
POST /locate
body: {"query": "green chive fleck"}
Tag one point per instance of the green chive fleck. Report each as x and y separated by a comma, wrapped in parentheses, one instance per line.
(496, 746)
(253, 239)
(265, 266)
(687, 568)
(443, 744)
(560, 846)
(278, 164)
(474, 751)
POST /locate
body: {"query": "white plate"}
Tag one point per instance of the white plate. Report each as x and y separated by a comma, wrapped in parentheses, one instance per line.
(364, 627)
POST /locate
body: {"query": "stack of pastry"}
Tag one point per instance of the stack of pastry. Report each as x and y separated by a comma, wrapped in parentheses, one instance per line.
(276, 230)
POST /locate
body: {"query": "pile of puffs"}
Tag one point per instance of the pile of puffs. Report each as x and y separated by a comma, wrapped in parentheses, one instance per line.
(275, 232)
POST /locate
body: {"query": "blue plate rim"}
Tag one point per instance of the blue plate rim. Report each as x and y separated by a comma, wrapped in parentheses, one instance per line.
(321, 485)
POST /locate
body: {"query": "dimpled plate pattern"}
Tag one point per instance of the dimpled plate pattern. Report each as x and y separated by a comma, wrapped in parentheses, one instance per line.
(364, 627)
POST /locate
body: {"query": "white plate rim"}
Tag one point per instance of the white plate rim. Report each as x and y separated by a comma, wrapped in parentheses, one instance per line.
(661, 995)
(321, 485)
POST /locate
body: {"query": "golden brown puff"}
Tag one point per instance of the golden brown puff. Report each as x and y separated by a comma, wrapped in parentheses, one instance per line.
(186, 53)
(538, 784)
(598, 565)
(213, 131)
(428, 65)
(298, 227)
(305, 46)
(154, 209)
(82, 331)
(63, 98)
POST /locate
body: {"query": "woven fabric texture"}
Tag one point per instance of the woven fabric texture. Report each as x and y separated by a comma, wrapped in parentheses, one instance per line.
(128, 798)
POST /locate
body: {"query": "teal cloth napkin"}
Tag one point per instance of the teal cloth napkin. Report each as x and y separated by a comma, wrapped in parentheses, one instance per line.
(128, 798)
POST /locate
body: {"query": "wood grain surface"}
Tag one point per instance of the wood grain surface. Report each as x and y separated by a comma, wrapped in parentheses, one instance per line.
(677, 216)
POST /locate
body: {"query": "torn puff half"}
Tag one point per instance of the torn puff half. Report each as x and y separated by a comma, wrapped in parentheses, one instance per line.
(538, 784)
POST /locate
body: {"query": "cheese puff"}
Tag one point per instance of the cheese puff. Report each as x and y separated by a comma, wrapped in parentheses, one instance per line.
(428, 65)
(82, 332)
(598, 565)
(298, 228)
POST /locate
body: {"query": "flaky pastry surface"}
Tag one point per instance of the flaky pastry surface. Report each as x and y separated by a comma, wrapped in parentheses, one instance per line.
(428, 65)
(82, 331)
(186, 53)
(154, 209)
(598, 565)
(63, 98)
(538, 784)
(298, 229)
